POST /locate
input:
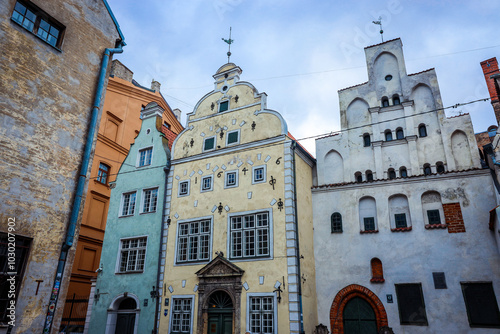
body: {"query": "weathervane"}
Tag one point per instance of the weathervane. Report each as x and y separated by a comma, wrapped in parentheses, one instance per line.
(229, 42)
(379, 22)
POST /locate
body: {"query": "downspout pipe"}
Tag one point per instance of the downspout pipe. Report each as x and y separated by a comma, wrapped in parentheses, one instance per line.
(293, 146)
(488, 149)
(77, 201)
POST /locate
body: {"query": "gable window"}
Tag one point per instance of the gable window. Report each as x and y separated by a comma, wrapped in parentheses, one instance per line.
(182, 314)
(385, 102)
(128, 204)
(184, 188)
(250, 236)
(223, 106)
(193, 241)
(208, 144)
(388, 135)
(369, 175)
(103, 173)
(233, 137)
(422, 130)
(481, 304)
(207, 183)
(39, 23)
(403, 172)
(427, 169)
(391, 173)
(411, 304)
(336, 222)
(395, 100)
(366, 140)
(400, 134)
(145, 156)
(132, 255)
(261, 314)
(149, 199)
(258, 174)
(231, 179)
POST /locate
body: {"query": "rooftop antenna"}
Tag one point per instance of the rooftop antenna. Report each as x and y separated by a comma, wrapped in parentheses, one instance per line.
(379, 22)
(229, 42)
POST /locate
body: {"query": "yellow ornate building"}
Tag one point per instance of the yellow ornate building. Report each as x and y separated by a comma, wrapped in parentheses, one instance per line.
(239, 236)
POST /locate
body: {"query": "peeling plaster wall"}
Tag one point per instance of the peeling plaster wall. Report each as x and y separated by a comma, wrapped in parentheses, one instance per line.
(45, 102)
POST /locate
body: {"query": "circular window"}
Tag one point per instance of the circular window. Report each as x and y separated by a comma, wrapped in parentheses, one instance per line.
(388, 77)
(224, 88)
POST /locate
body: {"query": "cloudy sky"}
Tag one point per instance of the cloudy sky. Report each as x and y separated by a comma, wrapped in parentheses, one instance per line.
(302, 52)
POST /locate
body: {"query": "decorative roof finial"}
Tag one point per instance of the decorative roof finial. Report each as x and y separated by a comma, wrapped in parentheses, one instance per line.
(229, 42)
(379, 22)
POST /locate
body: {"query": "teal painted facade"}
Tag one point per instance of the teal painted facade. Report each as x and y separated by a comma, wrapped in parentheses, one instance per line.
(129, 260)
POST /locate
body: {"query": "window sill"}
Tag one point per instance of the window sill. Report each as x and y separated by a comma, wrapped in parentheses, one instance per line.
(368, 232)
(129, 272)
(401, 229)
(102, 184)
(435, 226)
(377, 280)
(145, 213)
(126, 216)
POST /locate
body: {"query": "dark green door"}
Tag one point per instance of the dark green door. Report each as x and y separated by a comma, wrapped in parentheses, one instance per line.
(220, 313)
(125, 323)
(359, 317)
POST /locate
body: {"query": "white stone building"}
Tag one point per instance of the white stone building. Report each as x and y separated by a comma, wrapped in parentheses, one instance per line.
(401, 211)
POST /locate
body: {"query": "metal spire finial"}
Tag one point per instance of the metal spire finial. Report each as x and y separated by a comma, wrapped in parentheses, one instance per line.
(379, 22)
(229, 42)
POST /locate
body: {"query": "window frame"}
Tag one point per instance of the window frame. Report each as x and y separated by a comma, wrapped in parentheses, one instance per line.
(139, 159)
(422, 133)
(388, 135)
(143, 202)
(231, 132)
(270, 239)
(369, 175)
(429, 218)
(403, 170)
(105, 172)
(365, 221)
(400, 215)
(202, 183)
(254, 168)
(121, 250)
(171, 319)
(260, 295)
(187, 261)
(395, 99)
(122, 204)
(463, 286)
(226, 103)
(367, 140)
(336, 227)
(391, 174)
(179, 188)
(427, 169)
(226, 185)
(209, 149)
(400, 134)
(385, 102)
(415, 323)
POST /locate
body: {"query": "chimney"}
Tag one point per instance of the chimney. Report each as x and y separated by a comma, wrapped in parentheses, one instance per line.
(155, 85)
(120, 71)
(177, 113)
(490, 68)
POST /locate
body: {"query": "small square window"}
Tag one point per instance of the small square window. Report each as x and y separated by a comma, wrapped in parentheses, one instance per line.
(439, 280)
(233, 137)
(223, 106)
(400, 219)
(369, 223)
(208, 144)
(434, 217)
(145, 156)
(231, 179)
(258, 174)
(184, 188)
(207, 183)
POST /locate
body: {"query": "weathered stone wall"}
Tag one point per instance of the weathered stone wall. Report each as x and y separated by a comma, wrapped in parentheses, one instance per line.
(45, 103)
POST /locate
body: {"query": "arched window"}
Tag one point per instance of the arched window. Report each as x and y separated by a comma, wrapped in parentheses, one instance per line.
(427, 169)
(395, 100)
(368, 215)
(385, 102)
(399, 133)
(358, 177)
(399, 213)
(391, 173)
(366, 140)
(403, 172)
(369, 175)
(336, 222)
(388, 135)
(439, 167)
(377, 271)
(422, 130)
(432, 208)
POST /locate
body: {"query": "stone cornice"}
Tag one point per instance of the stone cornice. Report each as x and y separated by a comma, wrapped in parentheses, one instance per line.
(105, 140)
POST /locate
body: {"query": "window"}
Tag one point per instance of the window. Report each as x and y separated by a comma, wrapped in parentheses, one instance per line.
(400, 134)
(336, 222)
(422, 131)
(207, 183)
(411, 304)
(184, 188)
(145, 156)
(261, 313)
(193, 241)
(103, 173)
(258, 174)
(385, 102)
(250, 236)
(377, 271)
(233, 137)
(427, 169)
(395, 100)
(369, 223)
(388, 77)
(358, 177)
(400, 220)
(388, 135)
(403, 172)
(369, 175)
(439, 167)
(391, 173)
(481, 304)
(181, 318)
(231, 179)
(128, 204)
(22, 247)
(434, 217)
(149, 199)
(366, 140)
(439, 280)
(132, 255)
(39, 23)
(223, 106)
(209, 144)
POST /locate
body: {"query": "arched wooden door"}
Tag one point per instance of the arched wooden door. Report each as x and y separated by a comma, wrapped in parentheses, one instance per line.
(359, 317)
(220, 313)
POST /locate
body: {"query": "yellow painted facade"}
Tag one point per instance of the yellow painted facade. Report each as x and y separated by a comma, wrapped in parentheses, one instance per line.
(248, 139)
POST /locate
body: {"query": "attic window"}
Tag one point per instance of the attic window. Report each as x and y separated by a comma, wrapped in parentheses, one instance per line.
(388, 77)
(223, 106)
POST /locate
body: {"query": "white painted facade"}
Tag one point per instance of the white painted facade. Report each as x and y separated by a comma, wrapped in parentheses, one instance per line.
(413, 251)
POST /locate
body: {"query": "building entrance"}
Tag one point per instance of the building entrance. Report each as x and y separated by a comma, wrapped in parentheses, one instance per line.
(220, 313)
